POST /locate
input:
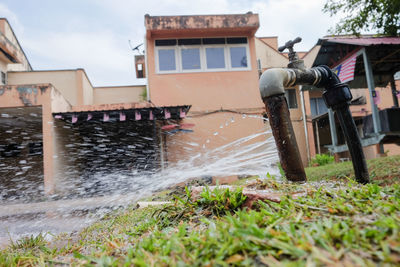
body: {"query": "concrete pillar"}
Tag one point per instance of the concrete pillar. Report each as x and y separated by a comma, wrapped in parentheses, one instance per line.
(48, 149)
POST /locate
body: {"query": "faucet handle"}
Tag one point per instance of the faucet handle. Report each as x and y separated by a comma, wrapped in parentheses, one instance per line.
(289, 45)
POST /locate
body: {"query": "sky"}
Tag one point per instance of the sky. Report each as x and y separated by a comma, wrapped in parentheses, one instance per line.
(94, 34)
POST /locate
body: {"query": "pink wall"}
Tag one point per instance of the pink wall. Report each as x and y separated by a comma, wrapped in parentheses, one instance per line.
(205, 90)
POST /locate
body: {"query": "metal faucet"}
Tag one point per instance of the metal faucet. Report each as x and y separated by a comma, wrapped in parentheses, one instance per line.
(336, 95)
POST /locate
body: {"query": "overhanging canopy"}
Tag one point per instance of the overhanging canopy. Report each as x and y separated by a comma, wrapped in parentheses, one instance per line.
(114, 115)
(383, 53)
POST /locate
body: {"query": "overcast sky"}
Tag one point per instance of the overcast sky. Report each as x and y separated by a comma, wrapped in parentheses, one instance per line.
(94, 34)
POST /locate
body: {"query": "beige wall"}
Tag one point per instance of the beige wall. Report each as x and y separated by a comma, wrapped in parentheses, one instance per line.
(6, 29)
(118, 94)
(66, 81)
(270, 58)
(205, 90)
(87, 88)
(211, 132)
(39, 95)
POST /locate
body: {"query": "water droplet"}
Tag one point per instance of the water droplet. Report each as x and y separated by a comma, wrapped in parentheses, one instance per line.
(232, 119)
(216, 133)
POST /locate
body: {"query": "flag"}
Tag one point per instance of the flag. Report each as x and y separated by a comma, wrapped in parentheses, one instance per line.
(345, 71)
(167, 114)
(182, 113)
(138, 116)
(74, 118)
(106, 117)
(122, 116)
(151, 117)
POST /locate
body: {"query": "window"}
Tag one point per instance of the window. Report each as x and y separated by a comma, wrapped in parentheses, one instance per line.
(166, 59)
(238, 57)
(190, 59)
(291, 98)
(202, 54)
(318, 106)
(215, 57)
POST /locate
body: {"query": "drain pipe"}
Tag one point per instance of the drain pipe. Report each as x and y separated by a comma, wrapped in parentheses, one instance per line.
(336, 95)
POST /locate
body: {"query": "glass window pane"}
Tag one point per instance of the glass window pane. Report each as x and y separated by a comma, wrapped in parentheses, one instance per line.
(213, 41)
(166, 59)
(236, 40)
(215, 58)
(314, 109)
(189, 41)
(238, 57)
(291, 98)
(165, 42)
(322, 108)
(190, 59)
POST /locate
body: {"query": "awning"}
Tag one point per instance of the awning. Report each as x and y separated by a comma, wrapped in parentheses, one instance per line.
(383, 53)
(117, 115)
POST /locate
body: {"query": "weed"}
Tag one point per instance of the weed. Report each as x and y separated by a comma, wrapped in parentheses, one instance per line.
(321, 160)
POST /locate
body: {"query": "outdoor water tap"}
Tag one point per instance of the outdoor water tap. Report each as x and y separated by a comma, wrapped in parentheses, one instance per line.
(272, 89)
(336, 95)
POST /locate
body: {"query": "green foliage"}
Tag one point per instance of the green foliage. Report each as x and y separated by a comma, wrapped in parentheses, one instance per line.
(334, 223)
(221, 201)
(29, 242)
(322, 159)
(143, 95)
(366, 15)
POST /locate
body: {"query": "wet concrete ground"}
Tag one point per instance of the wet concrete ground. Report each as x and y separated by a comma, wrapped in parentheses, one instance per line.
(18, 220)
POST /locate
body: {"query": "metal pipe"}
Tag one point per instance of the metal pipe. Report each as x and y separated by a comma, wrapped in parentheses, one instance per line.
(282, 129)
(336, 96)
(303, 111)
(354, 144)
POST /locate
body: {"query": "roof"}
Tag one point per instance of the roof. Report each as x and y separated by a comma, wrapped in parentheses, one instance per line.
(383, 54)
(248, 22)
(361, 41)
(131, 114)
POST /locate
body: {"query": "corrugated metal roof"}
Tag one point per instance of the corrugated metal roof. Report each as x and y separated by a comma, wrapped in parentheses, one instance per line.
(364, 41)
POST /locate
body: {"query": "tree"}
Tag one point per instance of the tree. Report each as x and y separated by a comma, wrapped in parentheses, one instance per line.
(366, 15)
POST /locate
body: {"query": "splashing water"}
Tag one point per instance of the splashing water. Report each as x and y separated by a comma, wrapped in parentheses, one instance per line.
(89, 199)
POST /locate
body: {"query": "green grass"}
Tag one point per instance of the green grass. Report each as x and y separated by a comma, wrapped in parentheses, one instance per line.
(382, 170)
(339, 223)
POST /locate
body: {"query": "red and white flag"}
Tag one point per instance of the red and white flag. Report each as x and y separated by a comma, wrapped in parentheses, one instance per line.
(345, 71)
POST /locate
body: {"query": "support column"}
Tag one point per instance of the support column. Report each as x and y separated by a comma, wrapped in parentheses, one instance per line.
(394, 92)
(371, 87)
(48, 149)
(332, 126)
(303, 111)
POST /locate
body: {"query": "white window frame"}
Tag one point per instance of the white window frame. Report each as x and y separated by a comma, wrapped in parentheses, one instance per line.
(203, 59)
(158, 48)
(182, 47)
(226, 54)
(247, 57)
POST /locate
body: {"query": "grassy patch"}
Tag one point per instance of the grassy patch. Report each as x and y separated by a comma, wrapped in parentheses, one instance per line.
(384, 170)
(336, 223)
